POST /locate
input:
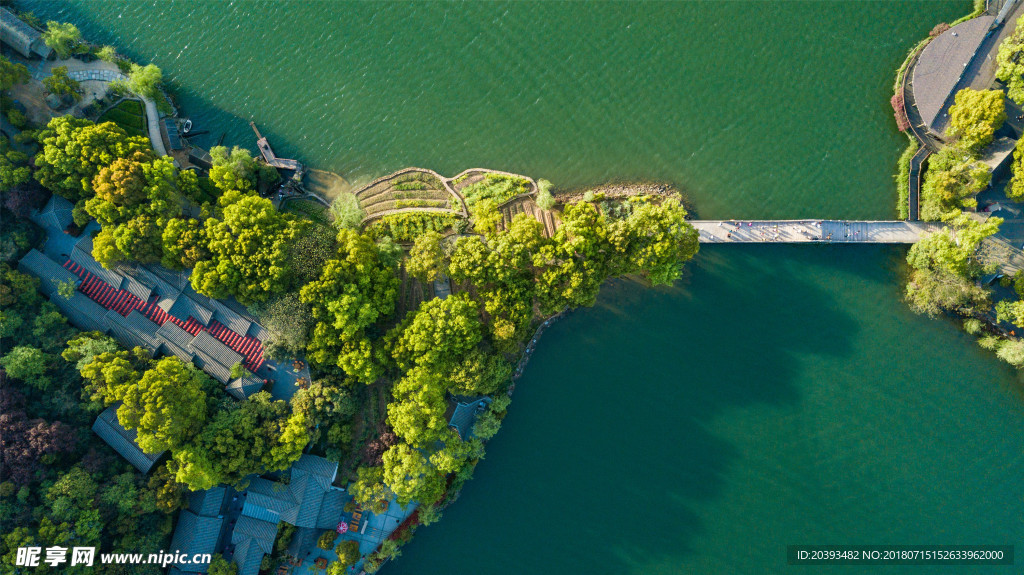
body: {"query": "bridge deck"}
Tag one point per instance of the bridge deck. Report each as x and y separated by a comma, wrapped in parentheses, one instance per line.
(811, 231)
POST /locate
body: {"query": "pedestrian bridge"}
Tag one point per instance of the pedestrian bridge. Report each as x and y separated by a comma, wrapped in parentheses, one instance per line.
(812, 231)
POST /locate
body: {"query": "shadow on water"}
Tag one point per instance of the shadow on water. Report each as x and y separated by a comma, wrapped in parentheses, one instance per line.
(621, 398)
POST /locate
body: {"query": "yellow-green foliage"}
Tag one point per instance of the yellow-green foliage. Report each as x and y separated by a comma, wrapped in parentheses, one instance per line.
(976, 116)
(408, 226)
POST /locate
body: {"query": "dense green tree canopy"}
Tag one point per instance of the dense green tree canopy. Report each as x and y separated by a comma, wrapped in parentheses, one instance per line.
(654, 241)
(953, 178)
(1011, 64)
(976, 116)
(253, 436)
(233, 169)
(248, 252)
(59, 83)
(167, 406)
(184, 243)
(441, 331)
(11, 73)
(75, 150)
(411, 476)
(427, 257)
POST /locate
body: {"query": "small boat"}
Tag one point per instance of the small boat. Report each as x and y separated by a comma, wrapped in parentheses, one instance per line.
(187, 127)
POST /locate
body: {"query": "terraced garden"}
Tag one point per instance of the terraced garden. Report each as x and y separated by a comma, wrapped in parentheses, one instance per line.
(410, 188)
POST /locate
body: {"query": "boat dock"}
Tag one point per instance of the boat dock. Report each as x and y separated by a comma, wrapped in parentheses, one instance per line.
(271, 158)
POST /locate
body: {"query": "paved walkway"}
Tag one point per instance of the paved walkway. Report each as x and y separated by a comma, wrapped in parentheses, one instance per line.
(152, 114)
(811, 231)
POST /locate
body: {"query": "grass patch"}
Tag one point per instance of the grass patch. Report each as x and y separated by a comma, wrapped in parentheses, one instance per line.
(308, 209)
(497, 188)
(127, 115)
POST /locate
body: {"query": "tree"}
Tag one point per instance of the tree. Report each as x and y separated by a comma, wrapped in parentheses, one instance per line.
(326, 540)
(356, 290)
(28, 364)
(348, 555)
(952, 180)
(107, 54)
(453, 456)
(167, 406)
(1012, 352)
(369, 488)
(86, 346)
(347, 213)
(411, 477)
(139, 239)
(1012, 312)
(953, 249)
(1015, 188)
(480, 373)
(75, 150)
(59, 83)
(255, 436)
(975, 117)
(310, 252)
(14, 174)
(11, 73)
(1011, 66)
(221, 566)
(184, 243)
(654, 241)
(248, 252)
(441, 331)
(145, 80)
(110, 374)
(427, 257)
(233, 169)
(576, 261)
(486, 425)
(133, 187)
(545, 200)
(932, 292)
(62, 37)
(418, 415)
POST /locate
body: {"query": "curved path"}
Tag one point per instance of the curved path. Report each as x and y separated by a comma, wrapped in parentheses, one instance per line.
(152, 114)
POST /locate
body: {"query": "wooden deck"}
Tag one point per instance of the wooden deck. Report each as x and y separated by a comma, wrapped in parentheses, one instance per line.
(271, 158)
(811, 231)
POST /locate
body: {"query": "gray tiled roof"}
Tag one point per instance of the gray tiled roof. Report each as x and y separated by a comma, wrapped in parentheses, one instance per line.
(331, 509)
(17, 33)
(82, 255)
(261, 532)
(195, 534)
(82, 312)
(207, 503)
(134, 330)
(247, 555)
(136, 288)
(123, 440)
(185, 307)
(212, 367)
(323, 469)
(243, 387)
(49, 272)
(173, 333)
(56, 213)
(214, 349)
(464, 416)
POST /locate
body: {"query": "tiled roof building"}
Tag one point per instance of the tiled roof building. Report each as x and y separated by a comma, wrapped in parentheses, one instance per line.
(124, 441)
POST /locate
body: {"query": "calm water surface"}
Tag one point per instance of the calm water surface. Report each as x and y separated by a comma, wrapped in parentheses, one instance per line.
(777, 395)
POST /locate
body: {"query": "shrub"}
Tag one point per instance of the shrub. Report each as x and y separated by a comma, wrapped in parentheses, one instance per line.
(973, 326)
(1012, 352)
(347, 213)
(545, 200)
(989, 342)
(326, 540)
(145, 80)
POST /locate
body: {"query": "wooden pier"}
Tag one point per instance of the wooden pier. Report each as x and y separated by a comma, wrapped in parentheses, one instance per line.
(271, 158)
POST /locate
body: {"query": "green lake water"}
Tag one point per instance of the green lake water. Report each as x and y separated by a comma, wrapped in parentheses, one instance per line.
(776, 395)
